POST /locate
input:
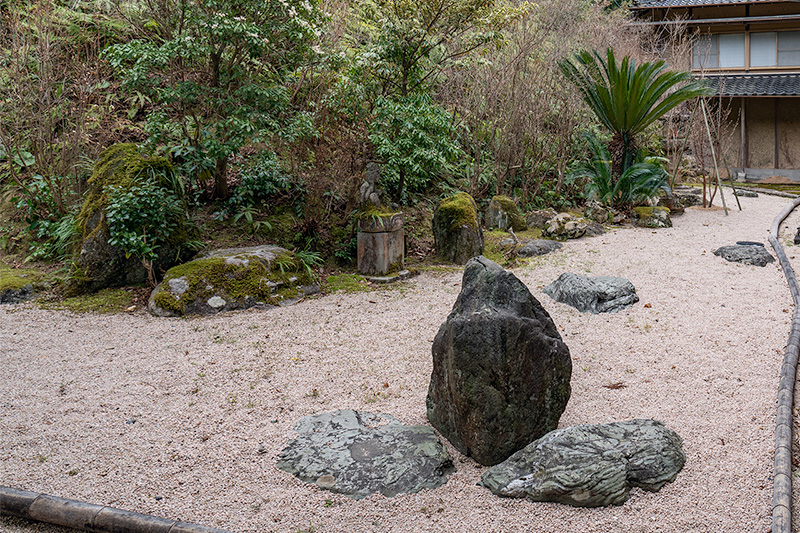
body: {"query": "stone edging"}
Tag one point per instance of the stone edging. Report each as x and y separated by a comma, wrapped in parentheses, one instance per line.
(782, 473)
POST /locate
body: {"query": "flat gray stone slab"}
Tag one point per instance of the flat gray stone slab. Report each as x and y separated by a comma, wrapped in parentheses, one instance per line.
(747, 254)
(590, 465)
(536, 247)
(359, 453)
(601, 294)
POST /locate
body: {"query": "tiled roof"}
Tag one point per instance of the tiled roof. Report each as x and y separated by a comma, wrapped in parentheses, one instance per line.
(663, 4)
(756, 84)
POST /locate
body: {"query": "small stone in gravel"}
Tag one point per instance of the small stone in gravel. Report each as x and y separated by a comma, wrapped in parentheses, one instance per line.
(590, 465)
(752, 254)
(359, 453)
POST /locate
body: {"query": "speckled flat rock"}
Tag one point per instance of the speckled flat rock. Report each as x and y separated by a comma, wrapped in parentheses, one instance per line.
(359, 453)
(601, 294)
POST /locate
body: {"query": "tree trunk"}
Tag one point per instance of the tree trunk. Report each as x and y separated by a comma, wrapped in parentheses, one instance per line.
(221, 179)
(398, 196)
(622, 148)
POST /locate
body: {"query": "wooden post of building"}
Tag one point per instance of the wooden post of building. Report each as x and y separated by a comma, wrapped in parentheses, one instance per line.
(776, 134)
(744, 134)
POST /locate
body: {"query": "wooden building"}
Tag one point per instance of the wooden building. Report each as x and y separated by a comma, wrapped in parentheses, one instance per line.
(750, 53)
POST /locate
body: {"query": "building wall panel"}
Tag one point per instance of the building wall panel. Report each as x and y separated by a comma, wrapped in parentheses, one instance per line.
(789, 133)
(760, 119)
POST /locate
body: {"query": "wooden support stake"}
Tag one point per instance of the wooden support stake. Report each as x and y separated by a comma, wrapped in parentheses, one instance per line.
(713, 154)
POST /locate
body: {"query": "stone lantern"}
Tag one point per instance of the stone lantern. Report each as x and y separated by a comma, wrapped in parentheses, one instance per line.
(381, 244)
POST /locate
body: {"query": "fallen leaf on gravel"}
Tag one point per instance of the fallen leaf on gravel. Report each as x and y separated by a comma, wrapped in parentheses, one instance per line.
(648, 306)
(617, 385)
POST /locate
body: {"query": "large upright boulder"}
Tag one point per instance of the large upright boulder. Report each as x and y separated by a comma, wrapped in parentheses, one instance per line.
(501, 373)
(503, 213)
(456, 232)
(102, 264)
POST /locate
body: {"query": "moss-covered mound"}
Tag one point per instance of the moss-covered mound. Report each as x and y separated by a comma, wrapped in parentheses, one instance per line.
(104, 265)
(503, 213)
(18, 284)
(456, 231)
(233, 278)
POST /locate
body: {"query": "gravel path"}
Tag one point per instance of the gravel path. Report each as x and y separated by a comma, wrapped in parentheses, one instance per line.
(183, 418)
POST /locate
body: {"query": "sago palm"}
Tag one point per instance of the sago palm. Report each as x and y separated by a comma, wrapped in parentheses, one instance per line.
(627, 98)
(640, 181)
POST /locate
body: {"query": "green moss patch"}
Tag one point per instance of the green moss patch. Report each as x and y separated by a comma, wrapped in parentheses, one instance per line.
(103, 301)
(14, 279)
(648, 212)
(370, 212)
(345, 283)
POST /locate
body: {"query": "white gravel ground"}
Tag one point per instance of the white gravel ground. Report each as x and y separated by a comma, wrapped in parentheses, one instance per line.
(183, 418)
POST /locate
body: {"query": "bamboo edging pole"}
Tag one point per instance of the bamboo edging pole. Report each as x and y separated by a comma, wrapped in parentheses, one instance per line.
(88, 516)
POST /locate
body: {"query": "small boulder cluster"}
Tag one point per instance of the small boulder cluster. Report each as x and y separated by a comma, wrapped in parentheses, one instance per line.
(458, 233)
(500, 382)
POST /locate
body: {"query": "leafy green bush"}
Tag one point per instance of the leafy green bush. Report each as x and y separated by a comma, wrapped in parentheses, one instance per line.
(54, 232)
(261, 181)
(141, 218)
(219, 73)
(415, 138)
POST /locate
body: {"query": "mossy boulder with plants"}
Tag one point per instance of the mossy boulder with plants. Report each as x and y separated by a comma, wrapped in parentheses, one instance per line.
(503, 213)
(234, 278)
(651, 217)
(133, 223)
(456, 231)
(18, 284)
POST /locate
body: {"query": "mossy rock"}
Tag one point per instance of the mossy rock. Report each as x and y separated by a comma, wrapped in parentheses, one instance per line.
(456, 232)
(101, 264)
(503, 213)
(651, 217)
(229, 279)
(18, 284)
(565, 226)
